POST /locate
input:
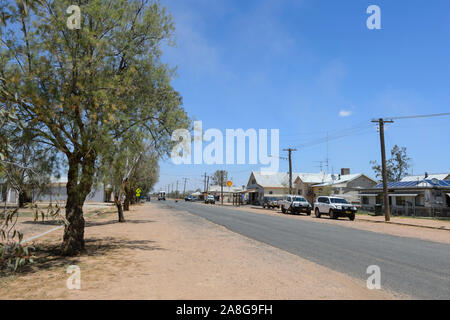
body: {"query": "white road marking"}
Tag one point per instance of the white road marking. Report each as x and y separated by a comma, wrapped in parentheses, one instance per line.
(42, 234)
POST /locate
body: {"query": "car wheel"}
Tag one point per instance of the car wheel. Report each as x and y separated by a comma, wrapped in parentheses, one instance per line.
(332, 214)
(317, 212)
(352, 217)
(283, 209)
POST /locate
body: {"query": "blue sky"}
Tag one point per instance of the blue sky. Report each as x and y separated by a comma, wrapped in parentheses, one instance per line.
(294, 65)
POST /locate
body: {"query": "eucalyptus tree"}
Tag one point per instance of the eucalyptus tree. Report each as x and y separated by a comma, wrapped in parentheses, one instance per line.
(79, 90)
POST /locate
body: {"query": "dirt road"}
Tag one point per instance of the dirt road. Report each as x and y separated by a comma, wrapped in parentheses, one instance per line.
(164, 254)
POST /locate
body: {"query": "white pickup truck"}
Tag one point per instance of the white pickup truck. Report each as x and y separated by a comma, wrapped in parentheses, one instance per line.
(294, 204)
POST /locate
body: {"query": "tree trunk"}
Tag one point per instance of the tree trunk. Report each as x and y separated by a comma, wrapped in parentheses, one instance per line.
(126, 204)
(73, 241)
(77, 191)
(22, 198)
(119, 209)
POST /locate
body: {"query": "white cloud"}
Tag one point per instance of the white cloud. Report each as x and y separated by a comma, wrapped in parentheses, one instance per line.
(345, 113)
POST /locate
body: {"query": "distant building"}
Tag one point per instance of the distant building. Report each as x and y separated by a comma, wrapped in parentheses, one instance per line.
(308, 185)
(346, 186)
(56, 191)
(428, 197)
(227, 192)
(11, 196)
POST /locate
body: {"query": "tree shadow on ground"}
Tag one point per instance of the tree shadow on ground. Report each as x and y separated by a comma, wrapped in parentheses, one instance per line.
(104, 223)
(46, 222)
(48, 256)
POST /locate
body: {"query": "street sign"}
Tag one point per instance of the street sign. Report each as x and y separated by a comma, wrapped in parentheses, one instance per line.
(138, 192)
(229, 183)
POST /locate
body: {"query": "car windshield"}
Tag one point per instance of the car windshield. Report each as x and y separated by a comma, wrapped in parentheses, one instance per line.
(300, 199)
(338, 200)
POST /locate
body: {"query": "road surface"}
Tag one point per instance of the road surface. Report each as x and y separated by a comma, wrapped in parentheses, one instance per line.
(418, 268)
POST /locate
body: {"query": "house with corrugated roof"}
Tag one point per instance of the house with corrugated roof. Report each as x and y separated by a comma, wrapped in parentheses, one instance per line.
(346, 186)
(276, 184)
(427, 197)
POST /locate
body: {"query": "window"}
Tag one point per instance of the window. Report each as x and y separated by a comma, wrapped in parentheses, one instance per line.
(338, 200)
(365, 200)
(420, 200)
(270, 192)
(400, 201)
(300, 199)
(299, 192)
(379, 199)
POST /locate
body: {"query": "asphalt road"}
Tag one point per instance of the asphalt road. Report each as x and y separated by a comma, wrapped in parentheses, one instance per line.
(418, 268)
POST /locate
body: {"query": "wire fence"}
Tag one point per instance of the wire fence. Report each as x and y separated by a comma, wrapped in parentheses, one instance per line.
(433, 212)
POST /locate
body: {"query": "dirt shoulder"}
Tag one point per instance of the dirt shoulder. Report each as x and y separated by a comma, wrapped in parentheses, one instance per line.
(403, 227)
(31, 228)
(165, 254)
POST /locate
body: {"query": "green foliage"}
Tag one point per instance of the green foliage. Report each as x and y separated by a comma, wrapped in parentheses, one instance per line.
(13, 253)
(217, 178)
(324, 191)
(80, 92)
(396, 167)
(51, 212)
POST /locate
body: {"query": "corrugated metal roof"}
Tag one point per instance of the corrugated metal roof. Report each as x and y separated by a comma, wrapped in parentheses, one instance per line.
(281, 179)
(416, 184)
(439, 176)
(342, 179)
(216, 188)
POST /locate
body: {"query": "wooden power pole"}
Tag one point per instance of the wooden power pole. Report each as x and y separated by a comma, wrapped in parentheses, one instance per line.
(221, 186)
(387, 211)
(184, 189)
(290, 167)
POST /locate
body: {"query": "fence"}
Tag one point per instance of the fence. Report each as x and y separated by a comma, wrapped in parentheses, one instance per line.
(409, 211)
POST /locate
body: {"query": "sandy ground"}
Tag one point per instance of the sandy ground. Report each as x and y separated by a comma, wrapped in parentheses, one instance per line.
(165, 254)
(29, 227)
(374, 224)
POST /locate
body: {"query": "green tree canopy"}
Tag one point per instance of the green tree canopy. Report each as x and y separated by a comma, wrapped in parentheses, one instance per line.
(80, 90)
(396, 167)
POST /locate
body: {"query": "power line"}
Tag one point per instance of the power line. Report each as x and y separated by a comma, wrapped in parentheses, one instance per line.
(419, 116)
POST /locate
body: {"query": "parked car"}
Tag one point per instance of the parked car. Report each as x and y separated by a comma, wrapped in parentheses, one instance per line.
(190, 198)
(210, 199)
(270, 202)
(294, 204)
(162, 195)
(335, 207)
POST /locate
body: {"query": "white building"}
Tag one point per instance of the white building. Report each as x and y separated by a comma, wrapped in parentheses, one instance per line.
(262, 184)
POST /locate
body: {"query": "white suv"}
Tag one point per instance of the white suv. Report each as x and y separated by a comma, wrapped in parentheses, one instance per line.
(294, 204)
(334, 207)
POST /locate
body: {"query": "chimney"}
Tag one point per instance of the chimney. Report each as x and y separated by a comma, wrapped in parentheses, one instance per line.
(345, 171)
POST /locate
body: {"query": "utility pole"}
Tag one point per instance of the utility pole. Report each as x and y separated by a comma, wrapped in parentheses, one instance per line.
(204, 183)
(176, 192)
(184, 189)
(221, 186)
(207, 184)
(290, 167)
(387, 211)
